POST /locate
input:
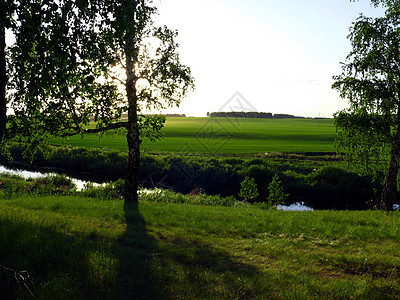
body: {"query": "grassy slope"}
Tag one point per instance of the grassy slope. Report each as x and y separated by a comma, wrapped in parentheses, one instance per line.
(229, 135)
(86, 248)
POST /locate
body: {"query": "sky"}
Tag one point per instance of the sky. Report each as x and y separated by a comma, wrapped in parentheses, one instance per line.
(278, 56)
(262, 55)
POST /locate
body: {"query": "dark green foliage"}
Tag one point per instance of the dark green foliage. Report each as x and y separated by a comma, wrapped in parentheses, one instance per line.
(251, 115)
(369, 130)
(320, 182)
(333, 188)
(50, 185)
(166, 196)
(248, 191)
(276, 195)
(261, 172)
(241, 114)
(326, 175)
(365, 139)
(110, 190)
(61, 180)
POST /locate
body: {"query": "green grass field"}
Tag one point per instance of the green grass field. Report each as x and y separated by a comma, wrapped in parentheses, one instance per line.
(86, 248)
(227, 135)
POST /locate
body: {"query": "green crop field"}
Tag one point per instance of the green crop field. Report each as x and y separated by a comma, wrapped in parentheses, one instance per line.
(227, 135)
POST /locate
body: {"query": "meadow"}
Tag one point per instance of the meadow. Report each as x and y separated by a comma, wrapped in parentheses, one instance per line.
(226, 135)
(89, 248)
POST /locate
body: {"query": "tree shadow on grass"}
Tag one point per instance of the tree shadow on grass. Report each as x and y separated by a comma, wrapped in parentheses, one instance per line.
(196, 269)
(135, 250)
(65, 264)
(169, 267)
(58, 264)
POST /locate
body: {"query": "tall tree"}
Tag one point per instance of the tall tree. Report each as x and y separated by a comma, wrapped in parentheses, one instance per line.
(370, 129)
(94, 48)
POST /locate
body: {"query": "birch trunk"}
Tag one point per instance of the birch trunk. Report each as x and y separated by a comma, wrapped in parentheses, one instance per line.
(133, 138)
(390, 186)
(3, 83)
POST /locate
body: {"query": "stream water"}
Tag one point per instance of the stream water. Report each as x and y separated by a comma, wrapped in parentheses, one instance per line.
(80, 184)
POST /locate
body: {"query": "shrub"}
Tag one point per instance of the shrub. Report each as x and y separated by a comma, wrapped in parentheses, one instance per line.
(111, 190)
(249, 189)
(326, 175)
(261, 205)
(277, 195)
(61, 181)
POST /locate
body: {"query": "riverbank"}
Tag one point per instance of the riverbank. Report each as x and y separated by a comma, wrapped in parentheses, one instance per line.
(321, 182)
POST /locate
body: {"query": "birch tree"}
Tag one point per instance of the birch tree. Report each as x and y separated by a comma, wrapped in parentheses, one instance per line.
(94, 60)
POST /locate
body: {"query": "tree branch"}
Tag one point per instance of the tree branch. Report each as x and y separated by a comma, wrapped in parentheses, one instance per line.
(116, 78)
(97, 130)
(20, 275)
(109, 127)
(143, 78)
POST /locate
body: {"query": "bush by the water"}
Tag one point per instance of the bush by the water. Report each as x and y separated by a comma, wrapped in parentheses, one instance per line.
(50, 185)
(249, 189)
(276, 196)
(166, 196)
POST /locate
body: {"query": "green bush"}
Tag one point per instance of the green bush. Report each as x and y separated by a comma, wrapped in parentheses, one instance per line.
(276, 196)
(61, 180)
(166, 196)
(262, 205)
(14, 185)
(249, 189)
(110, 190)
(326, 175)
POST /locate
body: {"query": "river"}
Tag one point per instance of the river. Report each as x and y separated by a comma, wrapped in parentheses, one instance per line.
(80, 184)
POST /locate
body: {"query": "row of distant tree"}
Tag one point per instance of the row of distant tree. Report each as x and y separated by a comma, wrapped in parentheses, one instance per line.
(252, 114)
(125, 116)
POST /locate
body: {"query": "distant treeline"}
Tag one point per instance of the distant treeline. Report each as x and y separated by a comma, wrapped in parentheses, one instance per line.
(174, 115)
(125, 116)
(253, 114)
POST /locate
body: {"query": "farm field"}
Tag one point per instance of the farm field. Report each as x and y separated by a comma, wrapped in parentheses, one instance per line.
(88, 248)
(226, 135)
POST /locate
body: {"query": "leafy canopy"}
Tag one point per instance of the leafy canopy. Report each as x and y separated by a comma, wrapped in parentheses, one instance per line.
(69, 66)
(371, 82)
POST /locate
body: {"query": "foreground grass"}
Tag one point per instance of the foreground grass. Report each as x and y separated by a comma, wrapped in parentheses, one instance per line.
(227, 135)
(75, 247)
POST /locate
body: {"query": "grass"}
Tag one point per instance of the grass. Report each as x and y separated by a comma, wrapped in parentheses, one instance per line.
(227, 135)
(85, 248)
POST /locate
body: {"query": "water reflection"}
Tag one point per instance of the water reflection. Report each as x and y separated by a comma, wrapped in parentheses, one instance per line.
(80, 184)
(295, 207)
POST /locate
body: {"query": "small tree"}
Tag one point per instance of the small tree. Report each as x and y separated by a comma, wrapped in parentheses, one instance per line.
(249, 189)
(276, 196)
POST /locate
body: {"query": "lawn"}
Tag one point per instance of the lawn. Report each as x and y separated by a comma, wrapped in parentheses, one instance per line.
(87, 248)
(227, 135)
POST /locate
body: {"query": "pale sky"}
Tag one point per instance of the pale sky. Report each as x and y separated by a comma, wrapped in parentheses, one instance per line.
(280, 55)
